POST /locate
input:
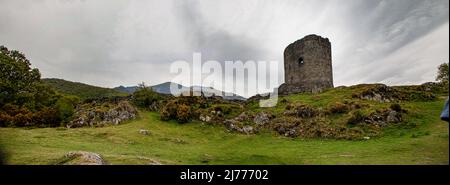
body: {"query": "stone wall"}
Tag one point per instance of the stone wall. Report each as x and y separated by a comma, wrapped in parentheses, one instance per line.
(307, 66)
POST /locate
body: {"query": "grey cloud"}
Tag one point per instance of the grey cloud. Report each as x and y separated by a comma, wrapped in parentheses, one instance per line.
(110, 43)
(214, 43)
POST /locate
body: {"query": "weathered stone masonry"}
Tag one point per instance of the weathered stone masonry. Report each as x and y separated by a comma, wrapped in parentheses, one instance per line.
(307, 66)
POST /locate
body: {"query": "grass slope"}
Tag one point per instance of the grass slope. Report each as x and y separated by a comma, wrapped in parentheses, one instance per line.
(81, 90)
(197, 143)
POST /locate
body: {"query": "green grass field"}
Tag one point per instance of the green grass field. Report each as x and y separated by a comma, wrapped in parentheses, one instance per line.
(197, 143)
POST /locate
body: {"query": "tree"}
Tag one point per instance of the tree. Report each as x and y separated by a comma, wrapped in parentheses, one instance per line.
(442, 75)
(145, 96)
(24, 99)
(17, 79)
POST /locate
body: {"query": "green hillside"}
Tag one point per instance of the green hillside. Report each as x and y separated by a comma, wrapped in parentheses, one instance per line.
(81, 90)
(421, 138)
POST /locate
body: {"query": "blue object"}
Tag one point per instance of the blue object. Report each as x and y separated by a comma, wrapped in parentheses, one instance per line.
(444, 114)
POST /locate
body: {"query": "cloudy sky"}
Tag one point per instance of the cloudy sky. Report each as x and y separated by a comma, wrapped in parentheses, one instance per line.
(110, 43)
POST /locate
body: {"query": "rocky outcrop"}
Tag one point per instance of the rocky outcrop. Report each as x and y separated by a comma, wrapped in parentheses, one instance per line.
(378, 92)
(83, 158)
(262, 118)
(101, 114)
(383, 93)
(301, 111)
(383, 119)
(236, 126)
(241, 124)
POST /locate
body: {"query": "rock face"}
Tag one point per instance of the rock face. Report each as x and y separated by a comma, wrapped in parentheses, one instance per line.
(84, 158)
(307, 66)
(262, 118)
(237, 124)
(380, 93)
(233, 125)
(383, 119)
(100, 114)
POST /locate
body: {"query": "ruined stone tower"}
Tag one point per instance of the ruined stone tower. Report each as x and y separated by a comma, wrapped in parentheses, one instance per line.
(307, 66)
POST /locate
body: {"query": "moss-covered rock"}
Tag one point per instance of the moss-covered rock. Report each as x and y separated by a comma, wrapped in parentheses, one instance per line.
(101, 114)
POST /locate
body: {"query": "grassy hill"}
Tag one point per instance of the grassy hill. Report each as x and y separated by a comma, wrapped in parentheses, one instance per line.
(422, 138)
(81, 90)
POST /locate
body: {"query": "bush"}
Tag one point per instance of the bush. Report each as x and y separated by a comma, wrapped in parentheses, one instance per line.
(303, 110)
(20, 120)
(164, 115)
(5, 119)
(338, 107)
(144, 97)
(226, 109)
(355, 118)
(183, 113)
(65, 107)
(396, 107)
(174, 109)
(47, 117)
(169, 111)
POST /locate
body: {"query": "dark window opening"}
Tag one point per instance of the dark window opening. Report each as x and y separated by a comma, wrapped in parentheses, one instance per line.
(300, 60)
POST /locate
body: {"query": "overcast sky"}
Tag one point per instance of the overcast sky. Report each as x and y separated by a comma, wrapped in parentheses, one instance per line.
(111, 43)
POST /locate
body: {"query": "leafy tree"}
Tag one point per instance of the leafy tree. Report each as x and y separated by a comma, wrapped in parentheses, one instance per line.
(145, 96)
(442, 75)
(17, 79)
(24, 99)
(65, 107)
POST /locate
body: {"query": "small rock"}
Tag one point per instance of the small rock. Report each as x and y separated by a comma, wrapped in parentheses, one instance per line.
(144, 132)
(248, 130)
(205, 118)
(393, 117)
(290, 133)
(242, 117)
(366, 138)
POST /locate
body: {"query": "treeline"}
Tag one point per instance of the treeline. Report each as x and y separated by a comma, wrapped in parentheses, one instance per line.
(24, 99)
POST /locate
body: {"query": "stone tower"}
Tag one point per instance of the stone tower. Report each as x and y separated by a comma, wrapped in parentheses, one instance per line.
(307, 66)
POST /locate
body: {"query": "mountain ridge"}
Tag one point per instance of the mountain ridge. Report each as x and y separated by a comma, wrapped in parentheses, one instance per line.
(87, 91)
(164, 88)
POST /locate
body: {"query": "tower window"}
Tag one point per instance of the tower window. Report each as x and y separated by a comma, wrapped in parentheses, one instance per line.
(301, 61)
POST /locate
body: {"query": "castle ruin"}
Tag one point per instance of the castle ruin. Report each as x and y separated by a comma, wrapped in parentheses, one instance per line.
(307, 66)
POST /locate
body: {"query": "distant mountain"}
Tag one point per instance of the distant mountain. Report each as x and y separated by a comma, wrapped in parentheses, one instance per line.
(164, 88)
(128, 90)
(209, 91)
(84, 91)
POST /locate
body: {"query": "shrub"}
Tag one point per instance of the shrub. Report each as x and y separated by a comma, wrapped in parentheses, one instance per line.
(355, 118)
(164, 114)
(183, 113)
(226, 109)
(144, 96)
(338, 107)
(21, 120)
(65, 107)
(5, 119)
(396, 107)
(169, 111)
(305, 111)
(47, 117)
